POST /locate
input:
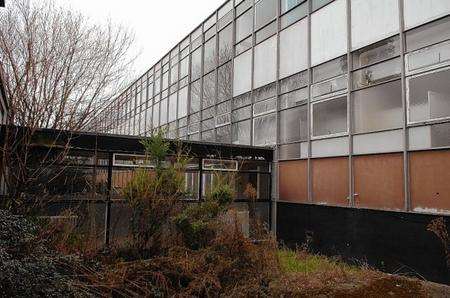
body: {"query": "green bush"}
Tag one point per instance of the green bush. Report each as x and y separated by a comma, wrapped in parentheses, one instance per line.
(154, 195)
(198, 222)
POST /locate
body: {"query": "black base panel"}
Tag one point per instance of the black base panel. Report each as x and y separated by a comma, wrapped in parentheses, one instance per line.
(394, 242)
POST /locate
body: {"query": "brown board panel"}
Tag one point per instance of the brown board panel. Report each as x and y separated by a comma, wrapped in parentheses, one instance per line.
(430, 181)
(379, 181)
(330, 181)
(293, 181)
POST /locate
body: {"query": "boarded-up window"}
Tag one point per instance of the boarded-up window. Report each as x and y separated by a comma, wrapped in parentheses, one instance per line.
(430, 181)
(330, 181)
(379, 181)
(293, 181)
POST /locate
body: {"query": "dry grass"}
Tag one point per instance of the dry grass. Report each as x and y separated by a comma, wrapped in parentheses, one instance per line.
(234, 266)
(306, 275)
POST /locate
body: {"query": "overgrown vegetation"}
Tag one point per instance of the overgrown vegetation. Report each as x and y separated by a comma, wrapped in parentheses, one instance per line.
(27, 267)
(155, 195)
(198, 223)
(176, 249)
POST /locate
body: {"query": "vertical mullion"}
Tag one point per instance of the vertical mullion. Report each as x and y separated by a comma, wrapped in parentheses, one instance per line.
(202, 73)
(406, 188)
(189, 78)
(275, 164)
(309, 108)
(252, 124)
(233, 54)
(216, 69)
(351, 185)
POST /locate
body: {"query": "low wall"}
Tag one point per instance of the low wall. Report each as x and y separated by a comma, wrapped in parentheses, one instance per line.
(395, 242)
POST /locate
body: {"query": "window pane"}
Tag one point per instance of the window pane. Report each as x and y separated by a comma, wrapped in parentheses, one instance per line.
(266, 11)
(427, 137)
(174, 74)
(265, 130)
(163, 115)
(244, 45)
(210, 33)
(244, 25)
(429, 34)
(223, 119)
(225, 9)
(157, 85)
(224, 91)
(242, 79)
(316, 4)
(196, 66)
(294, 49)
(267, 31)
(209, 90)
(264, 107)
(265, 62)
(330, 69)
(429, 96)
(243, 7)
(373, 20)
(377, 73)
(330, 117)
(184, 67)
(195, 97)
(377, 52)
(291, 151)
(241, 114)
(428, 57)
(226, 44)
(378, 108)
(210, 55)
(182, 102)
(419, 11)
(241, 132)
(208, 113)
(265, 92)
(293, 125)
(210, 22)
(329, 38)
(224, 134)
(224, 108)
(156, 115)
(208, 124)
(242, 100)
(165, 81)
(228, 18)
(329, 88)
(294, 15)
(293, 99)
(148, 119)
(173, 107)
(294, 82)
(288, 4)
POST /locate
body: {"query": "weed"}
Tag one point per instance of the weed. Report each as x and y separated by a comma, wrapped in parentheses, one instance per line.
(439, 228)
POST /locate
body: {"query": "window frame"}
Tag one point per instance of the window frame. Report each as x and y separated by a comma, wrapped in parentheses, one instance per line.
(328, 136)
(410, 123)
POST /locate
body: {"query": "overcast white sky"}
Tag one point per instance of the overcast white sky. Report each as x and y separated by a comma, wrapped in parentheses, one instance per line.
(158, 24)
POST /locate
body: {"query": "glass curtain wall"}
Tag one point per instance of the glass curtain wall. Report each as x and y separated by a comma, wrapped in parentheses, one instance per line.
(280, 73)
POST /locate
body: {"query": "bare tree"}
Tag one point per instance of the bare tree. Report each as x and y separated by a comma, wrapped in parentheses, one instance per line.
(60, 70)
